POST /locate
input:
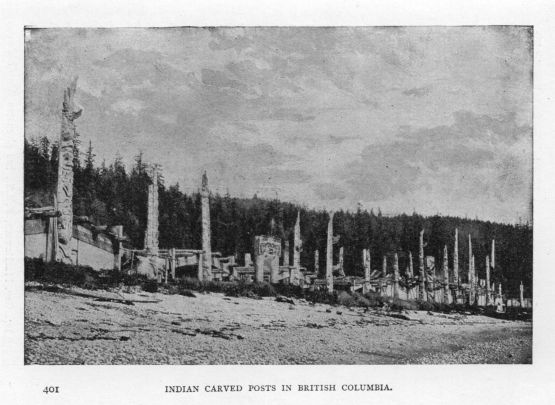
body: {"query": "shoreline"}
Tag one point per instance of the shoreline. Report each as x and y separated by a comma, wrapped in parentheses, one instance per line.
(214, 329)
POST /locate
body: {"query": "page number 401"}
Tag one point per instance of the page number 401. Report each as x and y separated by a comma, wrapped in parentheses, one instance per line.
(51, 390)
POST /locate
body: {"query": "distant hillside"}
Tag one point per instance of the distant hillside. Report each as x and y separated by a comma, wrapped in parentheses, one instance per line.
(113, 195)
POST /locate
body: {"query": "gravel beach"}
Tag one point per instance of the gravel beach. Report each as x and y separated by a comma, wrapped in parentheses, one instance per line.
(63, 328)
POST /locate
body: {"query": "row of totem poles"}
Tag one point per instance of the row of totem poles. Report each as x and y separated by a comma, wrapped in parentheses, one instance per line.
(446, 287)
(154, 258)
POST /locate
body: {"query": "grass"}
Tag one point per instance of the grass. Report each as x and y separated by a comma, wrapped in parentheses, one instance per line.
(79, 276)
(86, 277)
(229, 288)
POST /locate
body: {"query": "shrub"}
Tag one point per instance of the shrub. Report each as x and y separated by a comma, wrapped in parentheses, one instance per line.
(264, 289)
(290, 290)
(79, 276)
(361, 300)
(399, 304)
(425, 305)
(344, 298)
(186, 293)
(190, 283)
(60, 273)
(242, 289)
(322, 296)
(150, 286)
(374, 299)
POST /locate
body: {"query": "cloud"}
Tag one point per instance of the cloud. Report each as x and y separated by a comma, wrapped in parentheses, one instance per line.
(415, 117)
(417, 92)
(514, 176)
(220, 80)
(128, 106)
(477, 163)
(283, 176)
(289, 114)
(382, 171)
(329, 191)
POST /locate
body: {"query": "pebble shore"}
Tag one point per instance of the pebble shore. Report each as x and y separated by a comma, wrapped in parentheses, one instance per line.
(62, 328)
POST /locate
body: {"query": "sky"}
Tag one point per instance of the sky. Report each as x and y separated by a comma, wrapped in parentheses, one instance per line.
(436, 120)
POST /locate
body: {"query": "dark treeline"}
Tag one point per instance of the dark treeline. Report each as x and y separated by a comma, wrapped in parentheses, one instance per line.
(112, 195)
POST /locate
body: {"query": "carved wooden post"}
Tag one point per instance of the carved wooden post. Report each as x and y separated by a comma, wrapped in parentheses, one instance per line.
(488, 285)
(423, 295)
(410, 273)
(50, 237)
(521, 297)
(410, 276)
(118, 230)
(469, 269)
(493, 254)
(341, 261)
(383, 286)
(316, 262)
(396, 276)
(501, 295)
(200, 266)
(206, 231)
(64, 188)
(297, 242)
(151, 234)
(172, 262)
(473, 278)
(445, 276)
(286, 260)
(433, 283)
(366, 263)
(456, 267)
(456, 260)
(248, 260)
(258, 261)
(329, 255)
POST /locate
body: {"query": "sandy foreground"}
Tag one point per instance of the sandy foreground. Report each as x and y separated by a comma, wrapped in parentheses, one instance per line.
(210, 328)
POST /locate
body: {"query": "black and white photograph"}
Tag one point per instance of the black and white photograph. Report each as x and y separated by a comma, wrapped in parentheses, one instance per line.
(278, 195)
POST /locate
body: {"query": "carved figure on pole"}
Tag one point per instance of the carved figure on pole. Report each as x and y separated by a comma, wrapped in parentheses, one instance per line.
(366, 264)
(396, 276)
(488, 286)
(64, 188)
(297, 242)
(329, 255)
(469, 269)
(316, 262)
(445, 276)
(206, 232)
(341, 262)
(286, 260)
(410, 273)
(151, 234)
(423, 295)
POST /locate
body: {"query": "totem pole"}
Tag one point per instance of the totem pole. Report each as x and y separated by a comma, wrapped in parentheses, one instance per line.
(64, 189)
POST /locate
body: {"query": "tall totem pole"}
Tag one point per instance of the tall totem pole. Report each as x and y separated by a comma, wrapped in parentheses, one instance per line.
(456, 260)
(64, 188)
(151, 234)
(297, 243)
(445, 276)
(396, 275)
(329, 255)
(423, 295)
(206, 236)
(470, 281)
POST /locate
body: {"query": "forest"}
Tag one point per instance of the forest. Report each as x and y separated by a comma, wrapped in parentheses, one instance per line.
(115, 195)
